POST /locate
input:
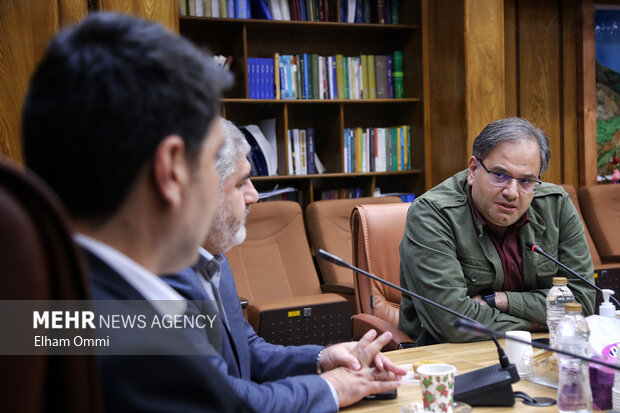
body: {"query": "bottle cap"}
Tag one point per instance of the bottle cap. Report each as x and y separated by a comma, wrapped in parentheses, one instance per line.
(607, 309)
(572, 307)
(559, 280)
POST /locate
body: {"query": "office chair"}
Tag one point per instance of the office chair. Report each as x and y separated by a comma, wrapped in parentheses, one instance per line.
(274, 271)
(40, 262)
(376, 232)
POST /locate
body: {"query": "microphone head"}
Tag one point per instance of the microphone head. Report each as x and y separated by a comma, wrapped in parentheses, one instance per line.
(324, 255)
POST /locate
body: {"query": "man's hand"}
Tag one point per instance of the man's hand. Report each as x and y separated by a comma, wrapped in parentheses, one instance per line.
(343, 355)
(353, 385)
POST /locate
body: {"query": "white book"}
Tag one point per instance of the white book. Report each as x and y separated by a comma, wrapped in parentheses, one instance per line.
(330, 77)
(304, 162)
(215, 8)
(346, 151)
(381, 150)
(351, 11)
(274, 8)
(289, 152)
(319, 165)
(321, 77)
(200, 12)
(297, 150)
(286, 13)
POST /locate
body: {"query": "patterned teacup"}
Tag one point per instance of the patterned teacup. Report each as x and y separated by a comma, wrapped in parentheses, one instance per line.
(437, 384)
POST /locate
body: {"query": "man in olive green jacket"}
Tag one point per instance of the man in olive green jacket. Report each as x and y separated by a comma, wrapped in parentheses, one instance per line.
(465, 240)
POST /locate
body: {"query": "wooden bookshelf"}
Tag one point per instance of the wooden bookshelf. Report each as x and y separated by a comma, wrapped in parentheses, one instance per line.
(243, 39)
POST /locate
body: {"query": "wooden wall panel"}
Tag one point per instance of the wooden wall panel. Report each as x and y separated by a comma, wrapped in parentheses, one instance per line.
(570, 133)
(587, 96)
(485, 99)
(71, 11)
(446, 89)
(164, 12)
(26, 26)
(540, 75)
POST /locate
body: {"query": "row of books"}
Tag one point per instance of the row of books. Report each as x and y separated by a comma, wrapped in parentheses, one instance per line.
(342, 193)
(281, 194)
(310, 76)
(301, 154)
(237, 9)
(377, 149)
(345, 11)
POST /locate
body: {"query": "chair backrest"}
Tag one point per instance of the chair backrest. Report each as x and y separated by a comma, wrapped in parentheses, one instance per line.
(377, 231)
(596, 259)
(329, 228)
(600, 205)
(40, 261)
(274, 261)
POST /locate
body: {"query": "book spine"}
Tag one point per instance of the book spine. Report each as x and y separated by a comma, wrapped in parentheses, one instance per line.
(409, 160)
(340, 75)
(297, 151)
(372, 151)
(401, 143)
(372, 81)
(276, 75)
(389, 70)
(365, 87)
(303, 150)
(182, 7)
(352, 150)
(330, 77)
(381, 76)
(347, 167)
(315, 77)
(301, 86)
(311, 149)
(345, 77)
(303, 10)
(395, 149)
(230, 9)
(307, 76)
(381, 11)
(395, 6)
(291, 153)
(399, 90)
(359, 158)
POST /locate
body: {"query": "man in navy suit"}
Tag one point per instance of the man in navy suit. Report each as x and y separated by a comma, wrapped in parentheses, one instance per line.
(273, 378)
(121, 119)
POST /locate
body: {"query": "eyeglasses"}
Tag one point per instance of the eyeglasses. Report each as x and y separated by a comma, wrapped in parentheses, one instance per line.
(499, 179)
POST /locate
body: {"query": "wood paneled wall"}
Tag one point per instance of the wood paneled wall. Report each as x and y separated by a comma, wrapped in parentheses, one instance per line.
(26, 26)
(497, 58)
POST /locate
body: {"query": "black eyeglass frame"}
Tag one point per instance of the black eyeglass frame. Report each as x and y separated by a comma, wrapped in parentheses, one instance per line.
(536, 182)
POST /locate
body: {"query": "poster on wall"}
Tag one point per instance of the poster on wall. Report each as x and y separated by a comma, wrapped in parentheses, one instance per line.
(607, 39)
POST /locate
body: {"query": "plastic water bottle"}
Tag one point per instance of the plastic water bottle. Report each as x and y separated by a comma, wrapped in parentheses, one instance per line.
(574, 393)
(558, 295)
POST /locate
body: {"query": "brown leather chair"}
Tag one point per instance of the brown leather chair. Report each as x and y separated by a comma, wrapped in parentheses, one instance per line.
(40, 261)
(377, 231)
(274, 271)
(606, 275)
(329, 229)
(600, 205)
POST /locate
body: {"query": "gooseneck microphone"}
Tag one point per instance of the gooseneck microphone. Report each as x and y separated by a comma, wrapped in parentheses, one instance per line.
(489, 386)
(479, 329)
(540, 251)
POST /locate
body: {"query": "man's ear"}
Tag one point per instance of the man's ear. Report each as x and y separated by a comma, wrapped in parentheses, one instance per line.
(472, 166)
(171, 169)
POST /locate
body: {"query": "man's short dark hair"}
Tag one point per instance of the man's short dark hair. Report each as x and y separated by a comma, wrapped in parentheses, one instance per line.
(106, 93)
(511, 130)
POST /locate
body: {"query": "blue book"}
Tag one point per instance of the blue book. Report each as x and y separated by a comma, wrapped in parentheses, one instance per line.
(241, 9)
(359, 11)
(302, 10)
(251, 86)
(260, 10)
(230, 4)
(310, 151)
(307, 68)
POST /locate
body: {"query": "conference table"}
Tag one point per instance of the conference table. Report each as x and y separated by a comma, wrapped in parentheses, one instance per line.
(465, 357)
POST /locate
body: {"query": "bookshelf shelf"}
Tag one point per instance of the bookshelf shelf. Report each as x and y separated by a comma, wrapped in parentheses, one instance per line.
(245, 39)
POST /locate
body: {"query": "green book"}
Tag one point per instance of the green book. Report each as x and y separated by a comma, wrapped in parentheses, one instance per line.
(365, 89)
(315, 77)
(372, 81)
(397, 75)
(395, 148)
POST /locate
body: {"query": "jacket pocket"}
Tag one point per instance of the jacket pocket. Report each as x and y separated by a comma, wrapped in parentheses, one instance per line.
(479, 275)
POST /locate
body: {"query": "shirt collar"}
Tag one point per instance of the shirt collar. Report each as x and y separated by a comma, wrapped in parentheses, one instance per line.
(149, 285)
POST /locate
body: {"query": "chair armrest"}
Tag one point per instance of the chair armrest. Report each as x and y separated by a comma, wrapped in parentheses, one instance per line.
(244, 302)
(364, 322)
(337, 289)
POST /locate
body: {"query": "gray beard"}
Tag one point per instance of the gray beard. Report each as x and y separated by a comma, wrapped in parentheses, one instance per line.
(226, 231)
